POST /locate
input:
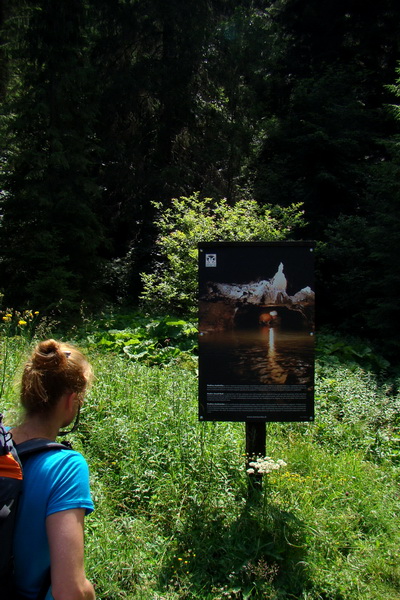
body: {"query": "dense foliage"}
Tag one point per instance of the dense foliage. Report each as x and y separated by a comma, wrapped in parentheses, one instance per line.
(112, 108)
(172, 282)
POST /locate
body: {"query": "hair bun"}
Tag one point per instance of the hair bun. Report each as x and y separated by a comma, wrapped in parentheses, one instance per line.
(48, 356)
(54, 368)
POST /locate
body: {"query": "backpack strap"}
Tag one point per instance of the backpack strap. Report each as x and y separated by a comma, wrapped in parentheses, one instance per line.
(36, 445)
(30, 448)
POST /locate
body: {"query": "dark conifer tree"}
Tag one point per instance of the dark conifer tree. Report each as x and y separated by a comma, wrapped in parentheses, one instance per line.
(334, 61)
(146, 56)
(50, 235)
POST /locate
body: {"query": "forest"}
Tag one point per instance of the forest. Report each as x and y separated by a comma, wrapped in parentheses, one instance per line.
(113, 110)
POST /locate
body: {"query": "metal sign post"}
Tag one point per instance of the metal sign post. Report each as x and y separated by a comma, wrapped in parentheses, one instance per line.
(255, 447)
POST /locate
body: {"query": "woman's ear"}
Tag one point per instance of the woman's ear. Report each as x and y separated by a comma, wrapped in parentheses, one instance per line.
(71, 402)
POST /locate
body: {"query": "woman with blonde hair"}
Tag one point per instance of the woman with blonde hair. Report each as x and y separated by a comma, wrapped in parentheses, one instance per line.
(49, 533)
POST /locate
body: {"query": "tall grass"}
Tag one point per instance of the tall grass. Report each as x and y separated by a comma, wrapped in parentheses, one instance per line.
(175, 518)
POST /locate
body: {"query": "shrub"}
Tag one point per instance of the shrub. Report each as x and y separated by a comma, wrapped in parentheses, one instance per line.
(172, 284)
(150, 340)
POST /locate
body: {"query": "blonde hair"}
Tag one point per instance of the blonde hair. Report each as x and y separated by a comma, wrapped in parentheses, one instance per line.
(53, 369)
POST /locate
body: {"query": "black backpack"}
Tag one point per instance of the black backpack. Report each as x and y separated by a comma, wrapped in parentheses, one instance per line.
(11, 481)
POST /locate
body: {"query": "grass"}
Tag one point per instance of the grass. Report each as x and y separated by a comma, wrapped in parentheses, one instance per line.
(175, 518)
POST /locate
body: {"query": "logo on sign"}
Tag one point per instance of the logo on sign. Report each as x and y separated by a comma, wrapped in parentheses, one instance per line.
(211, 260)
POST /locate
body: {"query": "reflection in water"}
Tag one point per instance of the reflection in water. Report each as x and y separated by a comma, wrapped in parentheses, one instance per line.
(271, 339)
(272, 366)
(267, 355)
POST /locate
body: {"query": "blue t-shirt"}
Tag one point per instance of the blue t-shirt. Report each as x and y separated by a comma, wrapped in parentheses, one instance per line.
(54, 480)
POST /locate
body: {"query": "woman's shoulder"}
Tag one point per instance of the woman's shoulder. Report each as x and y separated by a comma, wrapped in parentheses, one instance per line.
(66, 456)
(60, 462)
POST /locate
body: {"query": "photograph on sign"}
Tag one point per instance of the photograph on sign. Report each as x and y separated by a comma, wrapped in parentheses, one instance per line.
(256, 331)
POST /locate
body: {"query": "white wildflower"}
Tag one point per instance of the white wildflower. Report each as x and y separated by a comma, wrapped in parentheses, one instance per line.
(264, 465)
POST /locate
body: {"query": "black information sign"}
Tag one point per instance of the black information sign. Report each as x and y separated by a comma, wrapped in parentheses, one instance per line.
(256, 331)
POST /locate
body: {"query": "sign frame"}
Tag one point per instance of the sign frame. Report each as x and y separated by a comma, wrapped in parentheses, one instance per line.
(264, 380)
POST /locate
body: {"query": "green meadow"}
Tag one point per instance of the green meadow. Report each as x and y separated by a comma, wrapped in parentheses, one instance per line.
(177, 517)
